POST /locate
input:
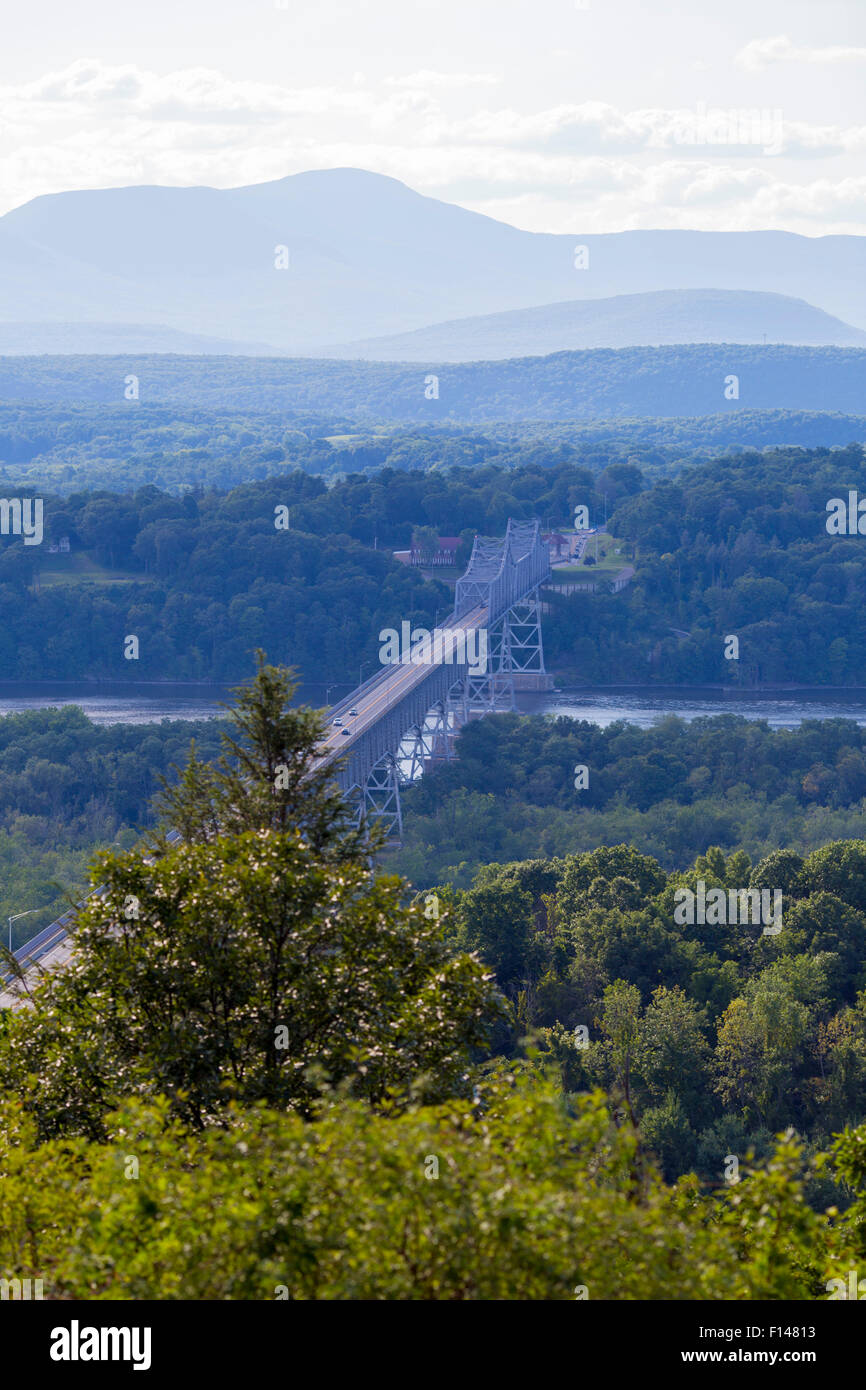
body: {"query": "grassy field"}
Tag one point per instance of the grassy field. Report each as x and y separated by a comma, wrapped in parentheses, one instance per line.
(78, 567)
(609, 564)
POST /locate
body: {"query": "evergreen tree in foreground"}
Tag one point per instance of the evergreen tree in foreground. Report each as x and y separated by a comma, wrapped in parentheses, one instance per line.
(266, 778)
(256, 960)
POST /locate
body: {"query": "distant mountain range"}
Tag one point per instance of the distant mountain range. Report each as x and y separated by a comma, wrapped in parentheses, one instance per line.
(366, 257)
(627, 320)
(595, 384)
(30, 339)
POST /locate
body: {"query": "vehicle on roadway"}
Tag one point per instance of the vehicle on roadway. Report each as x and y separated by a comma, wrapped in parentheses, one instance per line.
(346, 733)
(353, 713)
(338, 723)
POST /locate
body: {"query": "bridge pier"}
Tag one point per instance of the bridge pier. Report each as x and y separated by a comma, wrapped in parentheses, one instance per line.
(515, 662)
(523, 652)
(382, 796)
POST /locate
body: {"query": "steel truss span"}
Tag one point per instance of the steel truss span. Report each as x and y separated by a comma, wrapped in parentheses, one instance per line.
(409, 712)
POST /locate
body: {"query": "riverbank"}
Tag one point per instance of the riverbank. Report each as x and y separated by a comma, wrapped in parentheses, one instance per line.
(779, 707)
(744, 691)
(144, 702)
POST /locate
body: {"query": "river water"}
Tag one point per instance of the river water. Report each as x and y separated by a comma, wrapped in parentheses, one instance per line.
(782, 709)
(115, 702)
(122, 703)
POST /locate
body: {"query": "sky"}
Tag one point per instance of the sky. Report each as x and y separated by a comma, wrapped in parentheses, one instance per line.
(554, 115)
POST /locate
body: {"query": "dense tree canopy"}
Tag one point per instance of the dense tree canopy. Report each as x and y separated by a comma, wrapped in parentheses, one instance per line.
(256, 959)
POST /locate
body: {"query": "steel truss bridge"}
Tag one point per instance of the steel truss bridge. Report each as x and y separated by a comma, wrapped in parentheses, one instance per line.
(409, 712)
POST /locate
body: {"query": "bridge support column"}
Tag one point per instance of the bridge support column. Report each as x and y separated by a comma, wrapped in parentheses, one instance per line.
(382, 795)
(413, 753)
(429, 741)
(439, 733)
(523, 652)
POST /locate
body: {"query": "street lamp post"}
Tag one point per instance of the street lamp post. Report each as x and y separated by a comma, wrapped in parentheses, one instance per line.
(361, 672)
(14, 918)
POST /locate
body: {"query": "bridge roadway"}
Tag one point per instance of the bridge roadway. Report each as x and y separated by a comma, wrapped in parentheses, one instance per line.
(52, 940)
(380, 693)
(502, 571)
(388, 687)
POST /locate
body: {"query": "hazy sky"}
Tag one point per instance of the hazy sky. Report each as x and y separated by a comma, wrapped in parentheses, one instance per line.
(556, 115)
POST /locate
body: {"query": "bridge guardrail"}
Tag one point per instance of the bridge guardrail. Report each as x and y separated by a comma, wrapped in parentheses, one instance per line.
(39, 945)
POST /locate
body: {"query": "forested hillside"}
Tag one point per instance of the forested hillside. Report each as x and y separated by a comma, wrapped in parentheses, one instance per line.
(65, 449)
(68, 788)
(204, 579)
(514, 791)
(594, 384)
(734, 547)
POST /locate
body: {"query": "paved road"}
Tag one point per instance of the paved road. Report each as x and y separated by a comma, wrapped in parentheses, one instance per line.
(51, 946)
(387, 688)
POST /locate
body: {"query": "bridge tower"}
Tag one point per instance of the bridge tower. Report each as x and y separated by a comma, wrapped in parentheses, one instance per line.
(515, 648)
(499, 596)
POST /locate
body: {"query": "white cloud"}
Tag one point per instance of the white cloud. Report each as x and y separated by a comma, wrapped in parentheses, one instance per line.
(599, 128)
(428, 78)
(89, 87)
(88, 91)
(763, 53)
(588, 165)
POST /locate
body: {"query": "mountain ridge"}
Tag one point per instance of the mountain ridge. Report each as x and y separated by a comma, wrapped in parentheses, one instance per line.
(655, 318)
(367, 257)
(601, 384)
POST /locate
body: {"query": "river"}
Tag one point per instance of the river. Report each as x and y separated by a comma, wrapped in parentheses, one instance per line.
(782, 709)
(113, 702)
(116, 702)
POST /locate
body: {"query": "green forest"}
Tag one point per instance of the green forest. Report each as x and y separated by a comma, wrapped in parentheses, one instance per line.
(203, 579)
(599, 383)
(68, 788)
(66, 448)
(736, 547)
(280, 1076)
(512, 791)
(731, 547)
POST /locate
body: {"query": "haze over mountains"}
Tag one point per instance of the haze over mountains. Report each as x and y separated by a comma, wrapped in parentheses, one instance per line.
(368, 257)
(628, 320)
(29, 339)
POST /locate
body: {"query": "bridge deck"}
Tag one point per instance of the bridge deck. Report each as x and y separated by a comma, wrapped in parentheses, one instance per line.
(499, 573)
(387, 688)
